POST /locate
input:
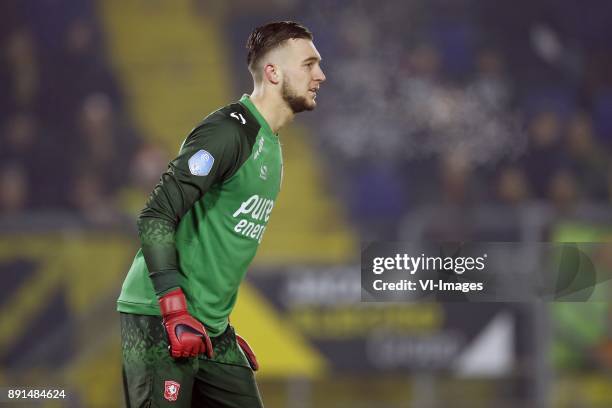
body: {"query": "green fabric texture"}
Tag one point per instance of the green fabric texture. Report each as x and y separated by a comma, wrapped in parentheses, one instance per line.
(201, 232)
(226, 380)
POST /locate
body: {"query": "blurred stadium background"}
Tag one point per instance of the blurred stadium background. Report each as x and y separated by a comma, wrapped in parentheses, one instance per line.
(440, 120)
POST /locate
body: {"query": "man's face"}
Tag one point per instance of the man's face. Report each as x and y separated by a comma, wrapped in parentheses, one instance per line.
(302, 74)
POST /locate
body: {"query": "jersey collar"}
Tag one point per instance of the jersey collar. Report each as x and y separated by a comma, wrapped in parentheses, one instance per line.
(246, 101)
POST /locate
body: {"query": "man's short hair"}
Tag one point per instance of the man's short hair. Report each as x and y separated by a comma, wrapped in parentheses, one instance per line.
(269, 36)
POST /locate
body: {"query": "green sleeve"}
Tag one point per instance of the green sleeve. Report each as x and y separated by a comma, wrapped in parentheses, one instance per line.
(178, 190)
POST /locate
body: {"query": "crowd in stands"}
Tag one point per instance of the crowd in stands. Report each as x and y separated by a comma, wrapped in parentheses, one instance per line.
(458, 103)
(465, 103)
(67, 144)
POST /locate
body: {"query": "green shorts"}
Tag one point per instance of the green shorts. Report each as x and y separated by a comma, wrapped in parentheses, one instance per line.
(152, 378)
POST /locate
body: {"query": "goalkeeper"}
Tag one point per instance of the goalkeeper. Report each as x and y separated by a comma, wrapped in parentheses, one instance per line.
(200, 230)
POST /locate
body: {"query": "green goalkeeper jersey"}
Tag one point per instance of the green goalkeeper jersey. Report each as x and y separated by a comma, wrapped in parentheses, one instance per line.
(206, 217)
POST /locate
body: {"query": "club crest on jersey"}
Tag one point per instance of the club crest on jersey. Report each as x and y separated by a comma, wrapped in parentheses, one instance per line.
(171, 390)
(201, 163)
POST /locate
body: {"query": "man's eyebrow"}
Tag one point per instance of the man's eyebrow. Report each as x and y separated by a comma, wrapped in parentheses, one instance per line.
(311, 59)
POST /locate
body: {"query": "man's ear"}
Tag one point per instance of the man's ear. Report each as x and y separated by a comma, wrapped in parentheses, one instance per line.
(272, 74)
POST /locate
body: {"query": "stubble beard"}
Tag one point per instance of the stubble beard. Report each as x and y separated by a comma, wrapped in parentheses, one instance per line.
(296, 103)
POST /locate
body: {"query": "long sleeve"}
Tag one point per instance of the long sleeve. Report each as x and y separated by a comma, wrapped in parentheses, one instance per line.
(209, 155)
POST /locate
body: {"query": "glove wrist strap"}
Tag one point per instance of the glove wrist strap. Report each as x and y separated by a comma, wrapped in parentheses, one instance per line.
(173, 303)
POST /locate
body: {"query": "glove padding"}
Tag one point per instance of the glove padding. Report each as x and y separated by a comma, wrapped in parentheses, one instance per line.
(248, 351)
(187, 336)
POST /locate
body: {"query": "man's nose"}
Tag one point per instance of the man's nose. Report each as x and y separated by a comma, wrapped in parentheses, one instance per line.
(319, 75)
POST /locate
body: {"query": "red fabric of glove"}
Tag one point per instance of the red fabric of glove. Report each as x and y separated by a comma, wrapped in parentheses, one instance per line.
(248, 351)
(187, 336)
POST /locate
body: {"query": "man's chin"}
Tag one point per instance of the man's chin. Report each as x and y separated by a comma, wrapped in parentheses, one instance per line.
(310, 104)
(301, 105)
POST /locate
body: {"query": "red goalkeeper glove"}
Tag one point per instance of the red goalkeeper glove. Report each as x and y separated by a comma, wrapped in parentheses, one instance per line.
(187, 336)
(248, 351)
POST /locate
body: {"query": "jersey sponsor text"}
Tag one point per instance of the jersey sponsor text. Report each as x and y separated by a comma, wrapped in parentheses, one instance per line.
(258, 210)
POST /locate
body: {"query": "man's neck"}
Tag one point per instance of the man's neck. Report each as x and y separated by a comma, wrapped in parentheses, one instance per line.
(273, 109)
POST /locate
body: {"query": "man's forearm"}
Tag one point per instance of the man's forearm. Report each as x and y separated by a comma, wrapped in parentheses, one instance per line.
(159, 250)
